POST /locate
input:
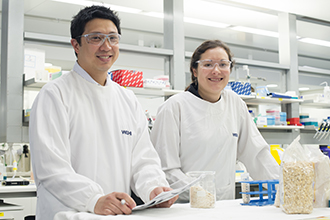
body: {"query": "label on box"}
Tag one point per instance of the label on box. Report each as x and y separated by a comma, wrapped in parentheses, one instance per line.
(129, 78)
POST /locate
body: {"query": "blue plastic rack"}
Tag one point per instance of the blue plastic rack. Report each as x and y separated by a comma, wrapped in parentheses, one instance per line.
(261, 201)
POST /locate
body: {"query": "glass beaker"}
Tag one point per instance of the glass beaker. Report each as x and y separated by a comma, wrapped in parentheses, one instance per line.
(203, 193)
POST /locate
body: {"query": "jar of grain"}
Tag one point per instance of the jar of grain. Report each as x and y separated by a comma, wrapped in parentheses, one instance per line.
(203, 193)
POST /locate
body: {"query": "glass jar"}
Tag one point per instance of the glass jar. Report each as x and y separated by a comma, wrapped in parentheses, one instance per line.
(203, 193)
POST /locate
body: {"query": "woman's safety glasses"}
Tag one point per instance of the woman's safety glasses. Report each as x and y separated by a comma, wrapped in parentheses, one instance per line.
(210, 64)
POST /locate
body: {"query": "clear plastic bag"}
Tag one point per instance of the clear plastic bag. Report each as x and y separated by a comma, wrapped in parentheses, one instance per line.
(296, 180)
(322, 176)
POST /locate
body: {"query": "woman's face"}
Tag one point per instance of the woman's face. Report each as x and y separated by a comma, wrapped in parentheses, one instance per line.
(211, 81)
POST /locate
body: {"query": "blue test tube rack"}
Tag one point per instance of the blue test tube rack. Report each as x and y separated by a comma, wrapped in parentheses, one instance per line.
(261, 201)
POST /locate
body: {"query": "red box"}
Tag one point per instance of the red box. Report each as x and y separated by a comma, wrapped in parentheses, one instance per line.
(293, 121)
(129, 78)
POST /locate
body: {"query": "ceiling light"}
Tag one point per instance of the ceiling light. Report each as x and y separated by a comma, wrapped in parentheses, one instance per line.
(315, 41)
(154, 14)
(205, 22)
(303, 89)
(113, 7)
(255, 31)
(272, 85)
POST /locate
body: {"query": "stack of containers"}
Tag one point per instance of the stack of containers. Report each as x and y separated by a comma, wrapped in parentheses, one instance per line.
(307, 121)
(283, 118)
(273, 117)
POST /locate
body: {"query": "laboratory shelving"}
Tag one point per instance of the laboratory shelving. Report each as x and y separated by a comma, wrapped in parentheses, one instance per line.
(165, 92)
(280, 127)
(257, 100)
(249, 99)
(315, 104)
(33, 84)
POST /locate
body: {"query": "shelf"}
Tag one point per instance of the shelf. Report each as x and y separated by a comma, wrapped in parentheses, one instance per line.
(314, 70)
(257, 100)
(65, 41)
(315, 104)
(279, 127)
(249, 99)
(154, 92)
(32, 83)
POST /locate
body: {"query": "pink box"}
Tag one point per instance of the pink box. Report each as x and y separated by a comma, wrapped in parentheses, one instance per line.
(129, 78)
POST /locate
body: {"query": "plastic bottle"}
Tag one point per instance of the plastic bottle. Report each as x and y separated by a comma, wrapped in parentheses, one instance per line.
(4, 175)
(245, 187)
(326, 92)
(2, 168)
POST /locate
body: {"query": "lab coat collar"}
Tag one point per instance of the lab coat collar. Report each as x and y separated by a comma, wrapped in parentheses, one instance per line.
(78, 69)
(193, 88)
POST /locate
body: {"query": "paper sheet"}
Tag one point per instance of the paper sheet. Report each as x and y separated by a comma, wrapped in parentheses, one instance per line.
(165, 196)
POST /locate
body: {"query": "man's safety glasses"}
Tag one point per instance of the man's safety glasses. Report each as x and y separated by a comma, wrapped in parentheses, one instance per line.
(98, 38)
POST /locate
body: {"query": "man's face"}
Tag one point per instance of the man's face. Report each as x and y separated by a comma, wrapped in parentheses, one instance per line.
(97, 60)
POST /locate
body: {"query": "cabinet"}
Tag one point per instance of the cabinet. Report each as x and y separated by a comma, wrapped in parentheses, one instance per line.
(18, 201)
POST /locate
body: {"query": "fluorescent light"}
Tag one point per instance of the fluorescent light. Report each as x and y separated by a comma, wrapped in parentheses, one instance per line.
(272, 86)
(194, 21)
(154, 14)
(189, 20)
(205, 22)
(78, 2)
(255, 31)
(315, 41)
(113, 7)
(124, 9)
(303, 89)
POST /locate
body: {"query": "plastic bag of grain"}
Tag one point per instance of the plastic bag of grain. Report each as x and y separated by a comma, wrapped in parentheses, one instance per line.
(296, 180)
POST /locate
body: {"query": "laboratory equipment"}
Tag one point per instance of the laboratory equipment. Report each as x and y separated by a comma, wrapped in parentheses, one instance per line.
(323, 130)
(245, 187)
(203, 193)
(261, 201)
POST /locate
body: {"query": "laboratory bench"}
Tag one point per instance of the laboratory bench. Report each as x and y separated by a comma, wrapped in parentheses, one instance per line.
(226, 209)
(17, 202)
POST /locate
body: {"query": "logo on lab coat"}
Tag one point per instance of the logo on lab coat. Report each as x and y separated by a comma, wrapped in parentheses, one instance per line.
(235, 135)
(126, 132)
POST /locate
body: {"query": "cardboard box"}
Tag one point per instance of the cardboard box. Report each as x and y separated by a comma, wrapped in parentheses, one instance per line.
(129, 78)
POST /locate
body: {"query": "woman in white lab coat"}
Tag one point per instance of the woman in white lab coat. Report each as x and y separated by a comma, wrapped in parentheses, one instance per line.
(207, 128)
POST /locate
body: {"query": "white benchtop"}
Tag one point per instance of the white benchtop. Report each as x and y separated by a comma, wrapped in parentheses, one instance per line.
(227, 209)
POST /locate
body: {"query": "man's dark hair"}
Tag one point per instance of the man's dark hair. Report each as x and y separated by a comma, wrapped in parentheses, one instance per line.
(89, 13)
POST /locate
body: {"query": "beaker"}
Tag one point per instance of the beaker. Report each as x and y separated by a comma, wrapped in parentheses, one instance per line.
(203, 193)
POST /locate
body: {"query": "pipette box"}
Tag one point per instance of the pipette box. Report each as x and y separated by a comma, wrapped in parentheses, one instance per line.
(129, 78)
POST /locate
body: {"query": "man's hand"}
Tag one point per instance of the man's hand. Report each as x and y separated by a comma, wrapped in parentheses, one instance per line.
(110, 204)
(159, 190)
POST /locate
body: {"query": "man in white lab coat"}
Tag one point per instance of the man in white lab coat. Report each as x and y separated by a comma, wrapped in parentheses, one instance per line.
(89, 137)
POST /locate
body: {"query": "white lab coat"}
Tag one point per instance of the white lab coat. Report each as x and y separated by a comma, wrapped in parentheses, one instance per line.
(191, 134)
(87, 141)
